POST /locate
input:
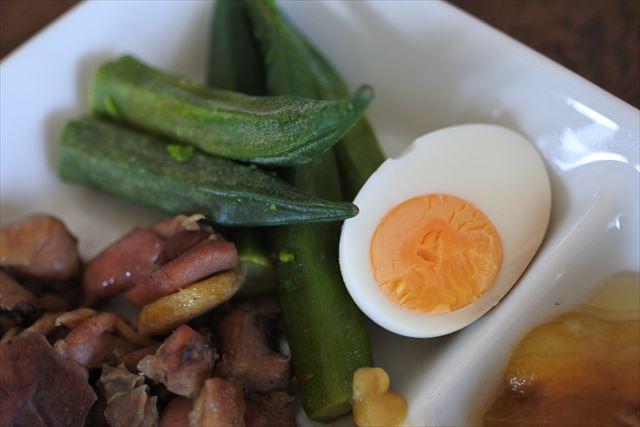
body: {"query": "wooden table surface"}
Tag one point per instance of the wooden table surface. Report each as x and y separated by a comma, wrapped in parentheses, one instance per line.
(598, 39)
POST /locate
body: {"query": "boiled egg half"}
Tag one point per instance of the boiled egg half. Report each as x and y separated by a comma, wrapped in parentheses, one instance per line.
(445, 229)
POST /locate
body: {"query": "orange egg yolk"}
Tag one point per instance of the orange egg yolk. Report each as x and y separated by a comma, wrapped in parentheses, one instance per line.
(435, 253)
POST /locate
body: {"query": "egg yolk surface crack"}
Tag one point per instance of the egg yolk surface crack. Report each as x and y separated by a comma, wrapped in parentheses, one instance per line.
(435, 253)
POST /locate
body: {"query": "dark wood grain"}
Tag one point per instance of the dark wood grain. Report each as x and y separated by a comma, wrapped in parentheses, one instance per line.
(598, 39)
(20, 19)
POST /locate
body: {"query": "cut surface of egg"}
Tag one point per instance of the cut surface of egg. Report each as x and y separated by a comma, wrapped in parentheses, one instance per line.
(446, 229)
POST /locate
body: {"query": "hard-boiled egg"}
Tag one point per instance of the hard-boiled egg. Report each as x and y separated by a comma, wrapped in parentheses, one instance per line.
(445, 229)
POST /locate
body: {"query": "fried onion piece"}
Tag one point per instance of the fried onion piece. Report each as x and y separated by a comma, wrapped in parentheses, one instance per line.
(175, 309)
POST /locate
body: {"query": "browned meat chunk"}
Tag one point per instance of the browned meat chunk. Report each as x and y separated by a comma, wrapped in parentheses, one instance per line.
(97, 339)
(40, 389)
(43, 326)
(167, 228)
(13, 294)
(128, 401)
(274, 409)
(182, 363)
(118, 267)
(132, 359)
(202, 260)
(15, 300)
(176, 413)
(246, 355)
(219, 404)
(182, 241)
(52, 302)
(39, 246)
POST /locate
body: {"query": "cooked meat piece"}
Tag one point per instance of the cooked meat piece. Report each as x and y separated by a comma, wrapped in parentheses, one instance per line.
(17, 301)
(182, 241)
(13, 331)
(73, 318)
(5, 324)
(93, 342)
(122, 264)
(219, 404)
(176, 413)
(246, 355)
(40, 246)
(95, 418)
(202, 260)
(274, 409)
(117, 380)
(52, 302)
(167, 228)
(13, 294)
(128, 401)
(38, 388)
(132, 359)
(182, 362)
(43, 326)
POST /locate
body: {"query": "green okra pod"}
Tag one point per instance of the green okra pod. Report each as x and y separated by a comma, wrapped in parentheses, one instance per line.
(281, 130)
(358, 153)
(234, 61)
(140, 168)
(324, 328)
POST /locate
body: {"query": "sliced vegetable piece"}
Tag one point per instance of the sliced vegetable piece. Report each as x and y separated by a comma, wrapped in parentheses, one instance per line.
(290, 53)
(312, 294)
(175, 309)
(282, 130)
(324, 328)
(234, 54)
(135, 166)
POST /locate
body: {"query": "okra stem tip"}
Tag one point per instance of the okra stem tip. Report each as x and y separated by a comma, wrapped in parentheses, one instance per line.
(363, 96)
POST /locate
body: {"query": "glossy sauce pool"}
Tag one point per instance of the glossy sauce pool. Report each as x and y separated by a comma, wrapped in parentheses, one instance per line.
(581, 368)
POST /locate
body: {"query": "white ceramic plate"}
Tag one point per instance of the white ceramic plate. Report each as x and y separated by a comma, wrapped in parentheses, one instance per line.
(432, 66)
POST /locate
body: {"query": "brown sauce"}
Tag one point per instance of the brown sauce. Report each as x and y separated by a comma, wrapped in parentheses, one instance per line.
(579, 369)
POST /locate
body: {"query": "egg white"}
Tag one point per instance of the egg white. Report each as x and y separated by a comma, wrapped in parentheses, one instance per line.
(496, 169)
